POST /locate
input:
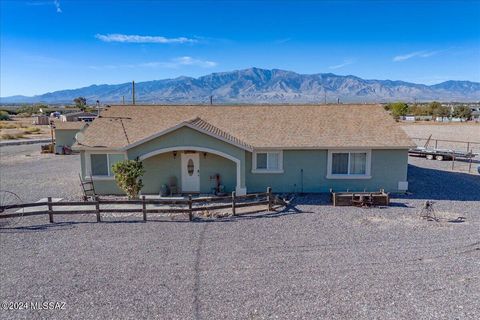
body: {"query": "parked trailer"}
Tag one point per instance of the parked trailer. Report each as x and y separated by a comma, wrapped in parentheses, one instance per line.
(440, 154)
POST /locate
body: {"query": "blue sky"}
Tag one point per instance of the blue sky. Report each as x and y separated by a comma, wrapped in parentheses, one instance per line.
(52, 45)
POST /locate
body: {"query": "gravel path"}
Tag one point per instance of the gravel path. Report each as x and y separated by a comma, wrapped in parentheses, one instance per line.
(312, 262)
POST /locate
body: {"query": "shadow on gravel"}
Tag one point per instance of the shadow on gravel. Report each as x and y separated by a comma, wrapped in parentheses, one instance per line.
(425, 183)
(40, 228)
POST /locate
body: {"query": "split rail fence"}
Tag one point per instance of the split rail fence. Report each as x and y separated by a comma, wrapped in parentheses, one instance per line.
(188, 206)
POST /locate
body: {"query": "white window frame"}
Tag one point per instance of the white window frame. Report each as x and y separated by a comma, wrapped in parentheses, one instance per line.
(368, 165)
(88, 164)
(280, 161)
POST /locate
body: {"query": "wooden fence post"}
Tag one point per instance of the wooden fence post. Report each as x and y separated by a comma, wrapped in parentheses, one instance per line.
(269, 198)
(233, 202)
(144, 209)
(453, 159)
(97, 209)
(50, 209)
(190, 212)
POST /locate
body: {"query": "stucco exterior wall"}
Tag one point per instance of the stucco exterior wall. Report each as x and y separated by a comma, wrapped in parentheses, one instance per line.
(184, 137)
(65, 137)
(161, 167)
(388, 168)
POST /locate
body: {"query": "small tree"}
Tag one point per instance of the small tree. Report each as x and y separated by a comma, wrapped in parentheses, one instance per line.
(442, 112)
(462, 112)
(80, 103)
(432, 107)
(398, 109)
(128, 174)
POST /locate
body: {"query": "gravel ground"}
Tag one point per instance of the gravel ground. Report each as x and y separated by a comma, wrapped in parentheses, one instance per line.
(311, 261)
(32, 175)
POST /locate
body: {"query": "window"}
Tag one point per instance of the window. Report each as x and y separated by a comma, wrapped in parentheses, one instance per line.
(268, 161)
(340, 163)
(102, 163)
(349, 164)
(99, 164)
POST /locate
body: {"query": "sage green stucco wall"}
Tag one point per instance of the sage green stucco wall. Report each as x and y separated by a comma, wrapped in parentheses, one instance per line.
(161, 167)
(82, 163)
(388, 168)
(188, 137)
(158, 170)
(213, 164)
(107, 187)
(65, 137)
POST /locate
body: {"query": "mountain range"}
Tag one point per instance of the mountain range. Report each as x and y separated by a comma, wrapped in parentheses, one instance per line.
(256, 85)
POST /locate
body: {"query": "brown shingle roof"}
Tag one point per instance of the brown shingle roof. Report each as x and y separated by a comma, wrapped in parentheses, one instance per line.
(296, 127)
(200, 124)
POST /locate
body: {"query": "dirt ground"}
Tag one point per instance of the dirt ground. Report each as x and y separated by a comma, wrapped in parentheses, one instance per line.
(23, 128)
(445, 131)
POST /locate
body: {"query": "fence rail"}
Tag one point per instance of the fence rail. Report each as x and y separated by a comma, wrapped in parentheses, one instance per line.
(190, 206)
(459, 145)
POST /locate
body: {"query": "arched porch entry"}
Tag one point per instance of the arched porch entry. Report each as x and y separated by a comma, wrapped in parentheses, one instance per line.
(238, 164)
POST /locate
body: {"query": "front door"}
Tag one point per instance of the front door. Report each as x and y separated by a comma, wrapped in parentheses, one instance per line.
(190, 172)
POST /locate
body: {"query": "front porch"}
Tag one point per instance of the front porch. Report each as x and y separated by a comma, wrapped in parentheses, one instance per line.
(193, 170)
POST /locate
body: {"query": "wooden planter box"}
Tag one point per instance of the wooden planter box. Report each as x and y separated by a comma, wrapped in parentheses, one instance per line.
(379, 198)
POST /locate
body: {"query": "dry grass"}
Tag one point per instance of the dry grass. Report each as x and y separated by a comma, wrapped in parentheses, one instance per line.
(11, 125)
(12, 136)
(32, 130)
(19, 127)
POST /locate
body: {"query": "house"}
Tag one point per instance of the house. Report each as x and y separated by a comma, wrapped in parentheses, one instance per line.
(65, 133)
(78, 116)
(289, 148)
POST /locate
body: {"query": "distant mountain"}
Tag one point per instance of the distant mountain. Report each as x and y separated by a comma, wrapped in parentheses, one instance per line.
(256, 85)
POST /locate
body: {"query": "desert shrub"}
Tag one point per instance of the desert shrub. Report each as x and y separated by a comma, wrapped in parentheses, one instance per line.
(4, 115)
(128, 175)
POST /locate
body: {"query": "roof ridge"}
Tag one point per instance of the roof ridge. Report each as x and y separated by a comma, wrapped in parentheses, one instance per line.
(207, 126)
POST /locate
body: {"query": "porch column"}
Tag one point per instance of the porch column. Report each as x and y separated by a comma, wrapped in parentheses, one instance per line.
(241, 188)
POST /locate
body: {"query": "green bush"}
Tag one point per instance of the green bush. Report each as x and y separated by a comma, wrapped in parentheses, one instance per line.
(128, 174)
(4, 115)
(397, 109)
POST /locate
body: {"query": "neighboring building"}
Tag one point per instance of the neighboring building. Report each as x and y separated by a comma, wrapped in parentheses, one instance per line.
(78, 116)
(41, 120)
(65, 133)
(288, 148)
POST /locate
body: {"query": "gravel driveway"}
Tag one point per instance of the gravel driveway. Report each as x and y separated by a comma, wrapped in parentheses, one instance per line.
(32, 175)
(313, 261)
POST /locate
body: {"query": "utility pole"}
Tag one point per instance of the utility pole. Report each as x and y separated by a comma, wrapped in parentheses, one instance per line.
(133, 92)
(123, 100)
(211, 100)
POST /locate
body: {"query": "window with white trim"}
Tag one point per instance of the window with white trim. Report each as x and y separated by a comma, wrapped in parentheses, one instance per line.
(267, 161)
(349, 164)
(102, 163)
